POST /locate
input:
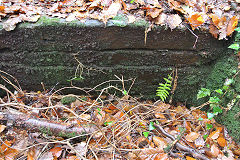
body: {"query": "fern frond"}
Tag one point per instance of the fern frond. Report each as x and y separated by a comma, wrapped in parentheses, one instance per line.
(163, 89)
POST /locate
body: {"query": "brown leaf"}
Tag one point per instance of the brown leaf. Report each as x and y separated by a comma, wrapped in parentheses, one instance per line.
(195, 20)
(56, 151)
(9, 154)
(154, 12)
(214, 134)
(152, 153)
(222, 141)
(192, 136)
(214, 31)
(190, 158)
(174, 20)
(199, 142)
(213, 153)
(161, 19)
(2, 127)
(111, 11)
(10, 24)
(159, 142)
(232, 25)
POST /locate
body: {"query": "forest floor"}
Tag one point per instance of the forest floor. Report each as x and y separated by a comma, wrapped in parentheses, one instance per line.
(47, 125)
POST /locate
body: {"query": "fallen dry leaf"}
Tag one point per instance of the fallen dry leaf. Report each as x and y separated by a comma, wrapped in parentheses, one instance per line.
(56, 151)
(173, 20)
(213, 153)
(195, 20)
(232, 25)
(192, 136)
(159, 142)
(111, 11)
(2, 127)
(190, 158)
(222, 141)
(214, 134)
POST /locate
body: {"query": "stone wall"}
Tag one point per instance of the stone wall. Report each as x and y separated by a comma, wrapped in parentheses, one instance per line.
(45, 52)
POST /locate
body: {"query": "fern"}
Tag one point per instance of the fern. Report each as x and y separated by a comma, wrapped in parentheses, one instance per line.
(163, 89)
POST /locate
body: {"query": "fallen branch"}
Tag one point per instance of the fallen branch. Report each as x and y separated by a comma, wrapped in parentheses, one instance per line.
(45, 126)
(181, 147)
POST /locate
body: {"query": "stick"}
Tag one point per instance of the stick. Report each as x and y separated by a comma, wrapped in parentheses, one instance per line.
(45, 126)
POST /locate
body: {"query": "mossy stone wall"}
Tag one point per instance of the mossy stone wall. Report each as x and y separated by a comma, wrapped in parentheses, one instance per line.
(46, 52)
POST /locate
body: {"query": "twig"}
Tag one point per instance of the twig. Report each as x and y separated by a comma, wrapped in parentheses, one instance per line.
(181, 147)
(46, 126)
(194, 46)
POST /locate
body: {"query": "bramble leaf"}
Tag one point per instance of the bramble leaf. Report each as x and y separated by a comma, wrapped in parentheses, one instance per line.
(203, 93)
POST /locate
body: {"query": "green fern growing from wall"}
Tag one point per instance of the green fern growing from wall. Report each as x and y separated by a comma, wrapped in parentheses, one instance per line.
(163, 89)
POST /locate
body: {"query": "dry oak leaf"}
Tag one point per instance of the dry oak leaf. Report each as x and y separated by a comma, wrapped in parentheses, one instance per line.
(214, 31)
(232, 25)
(214, 152)
(195, 20)
(190, 158)
(159, 142)
(214, 134)
(154, 12)
(222, 141)
(192, 136)
(161, 19)
(111, 11)
(173, 20)
(152, 153)
(2, 127)
(56, 151)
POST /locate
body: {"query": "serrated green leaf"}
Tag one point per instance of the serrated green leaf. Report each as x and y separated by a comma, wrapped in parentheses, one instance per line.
(209, 126)
(203, 93)
(151, 126)
(108, 123)
(219, 91)
(237, 29)
(146, 134)
(205, 136)
(208, 145)
(214, 99)
(234, 46)
(124, 92)
(225, 87)
(217, 110)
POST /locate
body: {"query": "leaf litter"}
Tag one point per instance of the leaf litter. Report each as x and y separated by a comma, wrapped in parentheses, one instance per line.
(220, 18)
(45, 125)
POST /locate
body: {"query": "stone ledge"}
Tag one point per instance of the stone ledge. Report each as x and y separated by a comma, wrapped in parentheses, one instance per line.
(44, 52)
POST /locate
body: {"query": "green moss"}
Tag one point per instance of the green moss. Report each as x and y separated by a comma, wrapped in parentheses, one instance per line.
(224, 68)
(140, 23)
(68, 100)
(120, 17)
(232, 122)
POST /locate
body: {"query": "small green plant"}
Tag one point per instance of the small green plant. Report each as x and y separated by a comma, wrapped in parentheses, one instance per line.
(235, 46)
(163, 89)
(216, 98)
